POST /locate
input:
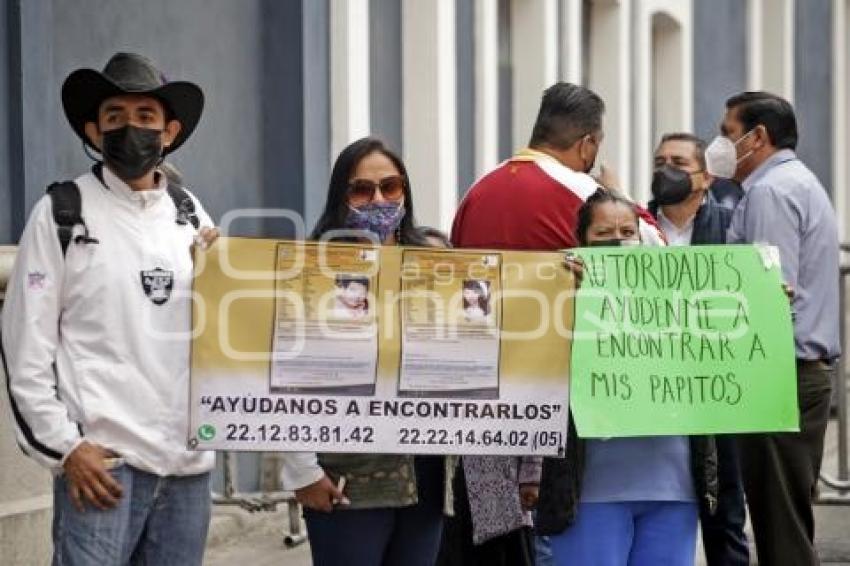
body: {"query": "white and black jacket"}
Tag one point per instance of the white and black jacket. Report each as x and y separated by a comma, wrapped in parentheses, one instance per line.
(96, 344)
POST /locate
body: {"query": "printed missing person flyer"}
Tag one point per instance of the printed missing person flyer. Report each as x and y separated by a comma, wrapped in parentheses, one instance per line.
(360, 348)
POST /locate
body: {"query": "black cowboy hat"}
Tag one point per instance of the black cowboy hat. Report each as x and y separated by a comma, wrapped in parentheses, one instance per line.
(128, 73)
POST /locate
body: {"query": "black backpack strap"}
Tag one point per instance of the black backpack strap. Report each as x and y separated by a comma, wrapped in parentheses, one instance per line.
(184, 204)
(67, 213)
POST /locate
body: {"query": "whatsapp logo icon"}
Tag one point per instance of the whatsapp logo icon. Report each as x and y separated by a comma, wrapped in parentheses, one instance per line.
(206, 432)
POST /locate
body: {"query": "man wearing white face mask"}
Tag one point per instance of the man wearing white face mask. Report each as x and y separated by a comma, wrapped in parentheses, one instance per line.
(785, 205)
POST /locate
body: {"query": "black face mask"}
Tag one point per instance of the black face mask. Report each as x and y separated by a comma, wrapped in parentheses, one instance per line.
(670, 185)
(131, 151)
(614, 242)
(588, 167)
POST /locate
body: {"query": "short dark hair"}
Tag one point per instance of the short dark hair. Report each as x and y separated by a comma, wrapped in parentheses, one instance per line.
(585, 213)
(567, 113)
(699, 144)
(167, 113)
(769, 110)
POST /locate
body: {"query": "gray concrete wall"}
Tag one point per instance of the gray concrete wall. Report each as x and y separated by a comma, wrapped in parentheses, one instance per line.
(316, 107)
(283, 109)
(385, 79)
(263, 142)
(211, 42)
(5, 127)
(720, 70)
(465, 32)
(506, 99)
(720, 60)
(29, 113)
(263, 138)
(813, 85)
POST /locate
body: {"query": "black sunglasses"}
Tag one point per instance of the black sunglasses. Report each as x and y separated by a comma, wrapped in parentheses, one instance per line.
(362, 191)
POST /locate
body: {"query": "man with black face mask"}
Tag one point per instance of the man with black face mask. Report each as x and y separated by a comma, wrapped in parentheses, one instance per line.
(689, 214)
(682, 201)
(97, 325)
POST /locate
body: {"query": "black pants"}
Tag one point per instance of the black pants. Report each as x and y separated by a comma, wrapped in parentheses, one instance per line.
(515, 548)
(780, 476)
(723, 533)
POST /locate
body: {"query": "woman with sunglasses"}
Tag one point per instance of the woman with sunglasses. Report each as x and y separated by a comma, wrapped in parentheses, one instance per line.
(369, 191)
(368, 509)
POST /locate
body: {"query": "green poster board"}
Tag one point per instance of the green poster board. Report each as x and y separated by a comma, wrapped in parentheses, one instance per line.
(682, 340)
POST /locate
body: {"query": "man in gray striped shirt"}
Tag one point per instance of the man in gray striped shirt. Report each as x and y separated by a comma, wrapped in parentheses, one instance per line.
(785, 205)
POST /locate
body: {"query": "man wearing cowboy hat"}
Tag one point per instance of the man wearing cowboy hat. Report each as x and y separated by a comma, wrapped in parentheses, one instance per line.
(97, 324)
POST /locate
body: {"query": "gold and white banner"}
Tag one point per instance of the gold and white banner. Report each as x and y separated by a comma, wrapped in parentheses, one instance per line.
(361, 348)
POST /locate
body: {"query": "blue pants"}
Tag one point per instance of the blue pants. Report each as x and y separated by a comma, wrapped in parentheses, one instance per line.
(386, 536)
(406, 536)
(158, 520)
(645, 533)
(543, 551)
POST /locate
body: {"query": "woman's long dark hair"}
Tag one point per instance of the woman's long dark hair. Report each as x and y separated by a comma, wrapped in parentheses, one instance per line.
(336, 206)
(482, 291)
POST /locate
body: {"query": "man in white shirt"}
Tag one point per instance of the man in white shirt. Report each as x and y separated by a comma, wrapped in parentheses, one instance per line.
(97, 326)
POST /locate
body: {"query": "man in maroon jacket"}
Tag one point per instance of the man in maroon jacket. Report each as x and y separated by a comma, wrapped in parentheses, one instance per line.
(530, 201)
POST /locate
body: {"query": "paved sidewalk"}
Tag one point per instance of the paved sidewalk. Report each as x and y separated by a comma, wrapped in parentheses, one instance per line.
(240, 538)
(832, 522)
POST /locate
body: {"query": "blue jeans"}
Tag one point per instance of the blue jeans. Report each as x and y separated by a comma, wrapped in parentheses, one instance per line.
(643, 533)
(160, 521)
(542, 549)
